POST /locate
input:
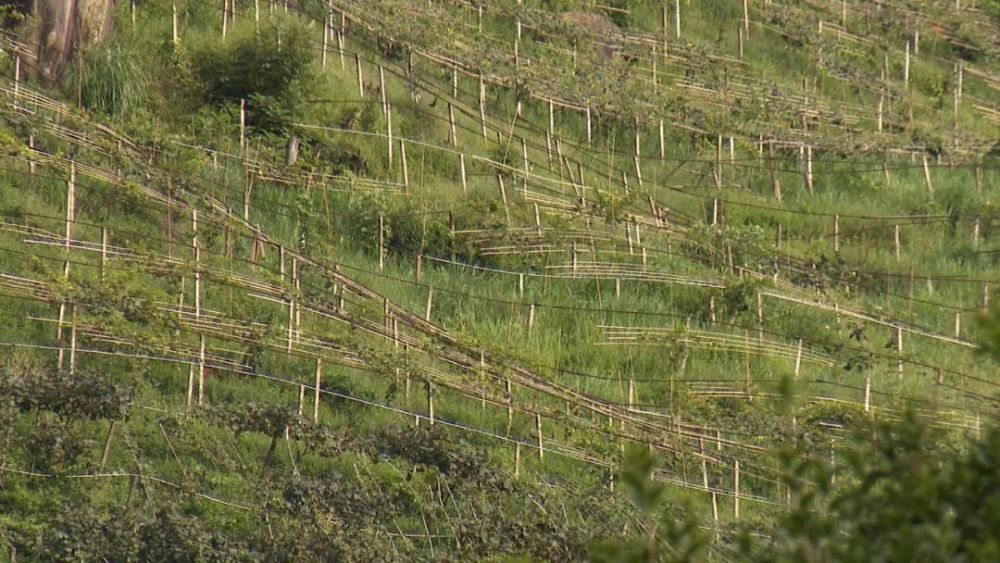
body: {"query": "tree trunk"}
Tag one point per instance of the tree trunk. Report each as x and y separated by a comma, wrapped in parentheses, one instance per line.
(60, 27)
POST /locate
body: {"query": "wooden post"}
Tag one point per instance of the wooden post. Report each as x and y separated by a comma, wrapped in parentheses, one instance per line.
(677, 18)
(382, 92)
(361, 79)
(243, 125)
(452, 131)
(638, 173)
(836, 232)
(461, 165)
(430, 401)
(524, 155)
(736, 490)
(406, 170)
(589, 128)
(326, 39)
(541, 445)
(927, 175)
(317, 390)
(631, 395)
(381, 243)
(739, 42)
(225, 17)
(430, 303)
(718, 163)
(663, 146)
(809, 168)
(176, 24)
(798, 358)
(975, 234)
(868, 393)
(517, 460)
(746, 17)
(958, 324)
(388, 132)
(906, 67)
(895, 236)
(531, 316)
(482, 100)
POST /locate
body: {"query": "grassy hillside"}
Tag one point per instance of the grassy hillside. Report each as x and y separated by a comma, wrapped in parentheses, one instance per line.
(406, 280)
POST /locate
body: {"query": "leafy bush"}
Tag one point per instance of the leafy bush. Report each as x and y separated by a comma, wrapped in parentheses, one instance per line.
(246, 66)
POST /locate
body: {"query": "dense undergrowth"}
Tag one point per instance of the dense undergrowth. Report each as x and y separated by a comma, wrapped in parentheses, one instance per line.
(268, 339)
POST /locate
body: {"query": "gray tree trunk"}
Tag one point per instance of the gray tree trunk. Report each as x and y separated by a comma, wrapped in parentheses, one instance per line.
(60, 27)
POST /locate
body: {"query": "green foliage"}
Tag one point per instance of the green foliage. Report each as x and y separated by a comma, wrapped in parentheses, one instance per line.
(665, 538)
(247, 66)
(89, 395)
(109, 78)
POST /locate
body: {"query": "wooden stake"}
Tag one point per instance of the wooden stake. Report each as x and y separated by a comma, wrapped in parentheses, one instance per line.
(736, 490)
(452, 131)
(541, 446)
(381, 81)
(906, 67)
(317, 389)
(663, 147)
(517, 460)
(176, 24)
(927, 175)
(388, 132)
(836, 232)
(381, 243)
(677, 18)
(868, 393)
(482, 100)
(461, 165)
(589, 128)
(430, 402)
(243, 125)
(225, 17)
(406, 170)
(809, 168)
(361, 79)
(798, 358)
(430, 303)
(895, 236)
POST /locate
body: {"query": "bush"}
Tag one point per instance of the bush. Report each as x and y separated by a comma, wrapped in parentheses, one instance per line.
(256, 64)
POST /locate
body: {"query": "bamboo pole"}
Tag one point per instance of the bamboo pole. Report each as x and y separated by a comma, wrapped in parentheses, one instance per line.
(482, 100)
(176, 24)
(895, 236)
(677, 18)
(388, 132)
(318, 385)
(430, 303)
(541, 445)
(736, 489)
(361, 79)
(430, 402)
(406, 170)
(381, 243)
(461, 164)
